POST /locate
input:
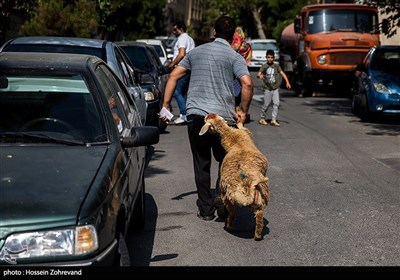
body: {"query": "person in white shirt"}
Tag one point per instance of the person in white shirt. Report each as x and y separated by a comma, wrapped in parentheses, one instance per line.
(183, 45)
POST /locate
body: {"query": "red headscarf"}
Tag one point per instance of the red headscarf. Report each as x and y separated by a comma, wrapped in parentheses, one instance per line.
(240, 45)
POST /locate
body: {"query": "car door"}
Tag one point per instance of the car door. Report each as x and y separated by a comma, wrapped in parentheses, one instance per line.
(125, 119)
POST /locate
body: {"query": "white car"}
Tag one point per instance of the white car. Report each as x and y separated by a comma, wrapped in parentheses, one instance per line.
(259, 48)
(158, 45)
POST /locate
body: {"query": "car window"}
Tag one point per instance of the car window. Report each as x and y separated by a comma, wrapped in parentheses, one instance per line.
(159, 50)
(55, 105)
(386, 60)
(139, 57)
(118, 102)
(155, 56)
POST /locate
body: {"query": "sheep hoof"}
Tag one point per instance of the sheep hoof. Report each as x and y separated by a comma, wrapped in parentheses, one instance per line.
(258, 238)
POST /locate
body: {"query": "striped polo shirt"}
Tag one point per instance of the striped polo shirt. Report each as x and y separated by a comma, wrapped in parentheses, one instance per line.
(213, 68)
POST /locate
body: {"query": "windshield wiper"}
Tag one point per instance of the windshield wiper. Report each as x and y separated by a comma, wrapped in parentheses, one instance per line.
(41, 137)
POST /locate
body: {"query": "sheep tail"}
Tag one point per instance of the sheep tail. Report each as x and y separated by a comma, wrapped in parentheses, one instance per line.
(261, 186)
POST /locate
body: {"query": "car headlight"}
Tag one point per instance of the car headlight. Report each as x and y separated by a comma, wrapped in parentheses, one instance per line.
(63, 242)
(322, 59)
(379, 87)
(148, 96)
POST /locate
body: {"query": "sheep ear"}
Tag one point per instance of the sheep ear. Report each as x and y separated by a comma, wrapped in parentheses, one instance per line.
(205, 128)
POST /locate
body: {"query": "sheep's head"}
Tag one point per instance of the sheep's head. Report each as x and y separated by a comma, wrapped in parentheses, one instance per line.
(210, 123)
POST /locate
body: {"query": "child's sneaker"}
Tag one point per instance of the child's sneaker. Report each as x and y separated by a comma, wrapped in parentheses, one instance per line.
(275, 123)
(263, 122)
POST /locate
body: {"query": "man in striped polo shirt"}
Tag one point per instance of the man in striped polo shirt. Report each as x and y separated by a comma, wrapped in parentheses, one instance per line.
(213, 67)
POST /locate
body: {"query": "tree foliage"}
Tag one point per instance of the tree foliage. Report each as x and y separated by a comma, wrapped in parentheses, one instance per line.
(62, 18)
(274, 15)
(104, 19)
(390, 9)
(133, 19)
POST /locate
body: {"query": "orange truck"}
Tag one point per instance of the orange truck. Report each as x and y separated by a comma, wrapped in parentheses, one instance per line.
(321, 49)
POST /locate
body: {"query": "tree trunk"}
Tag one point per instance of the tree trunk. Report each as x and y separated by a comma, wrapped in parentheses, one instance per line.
(257, 21)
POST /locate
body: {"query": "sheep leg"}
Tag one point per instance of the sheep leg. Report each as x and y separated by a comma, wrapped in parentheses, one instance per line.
(231, 215)
(259, 213)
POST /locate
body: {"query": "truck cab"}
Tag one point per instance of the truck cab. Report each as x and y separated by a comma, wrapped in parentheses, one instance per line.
(331, 39)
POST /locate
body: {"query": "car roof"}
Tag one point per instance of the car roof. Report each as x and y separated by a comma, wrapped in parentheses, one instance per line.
(131, 43)
(388, 47)
(263, 40)
(45, 60)
(54, 40)
(150, 41)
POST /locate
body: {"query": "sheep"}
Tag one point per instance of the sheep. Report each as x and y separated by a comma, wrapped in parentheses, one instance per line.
(243, 179)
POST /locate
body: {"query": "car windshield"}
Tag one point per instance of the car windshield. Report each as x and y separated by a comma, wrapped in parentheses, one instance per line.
(52, 107)
(386, 60)
(263, 46)
(342, 20)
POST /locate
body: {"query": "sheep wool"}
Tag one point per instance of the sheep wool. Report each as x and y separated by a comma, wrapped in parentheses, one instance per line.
(243, 171)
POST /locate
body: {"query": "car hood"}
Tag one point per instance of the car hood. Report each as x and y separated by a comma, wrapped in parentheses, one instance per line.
(44, 186)
(390, 79)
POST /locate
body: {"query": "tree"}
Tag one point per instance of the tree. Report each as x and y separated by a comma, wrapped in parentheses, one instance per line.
(103, 19)
(390, 9)
(62, 18)
(258, 18)
(130, 19)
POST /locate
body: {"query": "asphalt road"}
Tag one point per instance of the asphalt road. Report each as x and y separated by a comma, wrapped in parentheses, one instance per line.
(335, 194)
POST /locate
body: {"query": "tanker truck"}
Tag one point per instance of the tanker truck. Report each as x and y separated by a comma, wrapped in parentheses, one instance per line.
(320, 50)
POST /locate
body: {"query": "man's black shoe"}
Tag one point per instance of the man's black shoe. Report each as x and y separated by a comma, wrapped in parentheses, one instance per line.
(205, 218)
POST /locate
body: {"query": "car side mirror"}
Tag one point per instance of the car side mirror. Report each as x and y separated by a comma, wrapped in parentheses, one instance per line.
(141, 136)
(297, 25)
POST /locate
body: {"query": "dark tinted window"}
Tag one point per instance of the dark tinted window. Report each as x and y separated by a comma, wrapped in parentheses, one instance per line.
(54, 104)
(139, 57)
(56, 49)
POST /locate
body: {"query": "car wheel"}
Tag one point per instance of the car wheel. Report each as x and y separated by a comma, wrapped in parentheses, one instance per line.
(138, 218)
(122, 256)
